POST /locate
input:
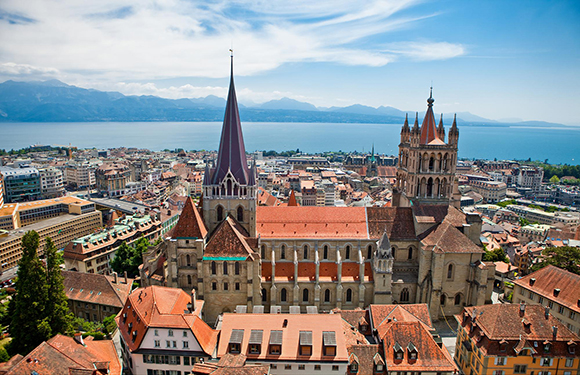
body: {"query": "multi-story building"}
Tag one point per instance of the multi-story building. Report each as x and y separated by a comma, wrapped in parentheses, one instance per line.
(20, 184)
(1, 190)
(94, 297)
(61, 229)
(162, 331)
(112, 177)
(93, 252)
(51, 183)
(536, 215)
(529, 177)
(555, 288)
(289, 343)
(491, 191)
(533, 232)
(347, 257)
(504, 339)
(80, 175)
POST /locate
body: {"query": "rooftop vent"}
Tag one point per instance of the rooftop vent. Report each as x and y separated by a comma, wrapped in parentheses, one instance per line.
(556, 292)
(532, 280)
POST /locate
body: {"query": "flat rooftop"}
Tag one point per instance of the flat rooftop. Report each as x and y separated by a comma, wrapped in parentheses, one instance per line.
(121, 205)
(10, 208)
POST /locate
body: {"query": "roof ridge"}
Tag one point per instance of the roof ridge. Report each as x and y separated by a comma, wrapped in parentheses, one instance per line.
(62, 352)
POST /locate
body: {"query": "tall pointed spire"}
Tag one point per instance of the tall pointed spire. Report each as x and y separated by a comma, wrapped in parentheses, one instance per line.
(232, 152)
(441, 129)
(406, 124)
(416, 124)
(429, 127)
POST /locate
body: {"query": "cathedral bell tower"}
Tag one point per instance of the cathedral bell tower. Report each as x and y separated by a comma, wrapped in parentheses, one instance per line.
(426, 170)
(383, 270)
(229, 187)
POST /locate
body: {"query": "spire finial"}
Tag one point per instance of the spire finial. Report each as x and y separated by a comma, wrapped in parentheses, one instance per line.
(430, 100)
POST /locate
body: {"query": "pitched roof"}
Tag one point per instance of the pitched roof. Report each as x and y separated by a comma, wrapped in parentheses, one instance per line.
(62, 354)
(228, 240)
(190, 224)
(429, 127)
(397, 221)
(96, 288)
(292, 200)
(383, 314)
(550, 278)
(366, 357)
(231, 364)
(232, 152)
(448, 239)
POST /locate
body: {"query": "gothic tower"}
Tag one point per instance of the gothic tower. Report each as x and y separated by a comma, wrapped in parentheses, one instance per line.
(426, 170)
(229, 187)
(383, 270)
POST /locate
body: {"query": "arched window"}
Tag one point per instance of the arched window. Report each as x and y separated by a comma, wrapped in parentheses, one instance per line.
(349, 295)
(369, 251)
(283, 295)
(263, 254)
(264, 295)
(393, 249)
(431, 163)
(450, 271)
(457, 299)
(237, 268)
(225, 268)
(443, 299)
(188, 279)
(325, 253)
(305, 295)
(283, 252)
(240, 214)
(220, 213)
(188, 260)
(410, 255)
(305, 252)
(213, 271)
(404, 295)
(327, 295)
(226, 286)
(347, 252)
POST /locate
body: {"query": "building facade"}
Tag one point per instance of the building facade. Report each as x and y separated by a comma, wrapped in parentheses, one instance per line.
(80, 175)
(234, 252)
(51, 183)
(20, 184)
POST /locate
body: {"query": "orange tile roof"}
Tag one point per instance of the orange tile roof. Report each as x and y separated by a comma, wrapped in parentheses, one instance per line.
(381, 314)
(550, 278)
(96, 288)
(190, 224)
(229, 240)
(448, 239)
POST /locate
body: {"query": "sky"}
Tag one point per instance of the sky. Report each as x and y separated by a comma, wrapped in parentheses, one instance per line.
(496, 59)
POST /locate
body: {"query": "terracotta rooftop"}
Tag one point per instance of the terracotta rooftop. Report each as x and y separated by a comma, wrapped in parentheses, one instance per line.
(397, 221)
(229, 240)
(552, 280)
(367, 357)
(190, 223)
(382, 315)
(230, 364)
(448, 239)
(96, 288)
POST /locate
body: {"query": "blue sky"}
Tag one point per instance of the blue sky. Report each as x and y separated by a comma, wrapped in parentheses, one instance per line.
(496, 59)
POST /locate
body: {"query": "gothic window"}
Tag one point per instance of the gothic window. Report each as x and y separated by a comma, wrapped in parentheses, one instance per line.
(347, 252)
(410, 255)
(325, 253)
(225, 268)
(450, 271)
(430, 187)
(229, 187)
(220, 213)
(457, 299)
(188, 279)
(327, 295)
(188, 260)
(393, 252)
(305, 252)
(305, 295)
(264, 295)
(404, 295)
(369, 251)
(237, 268)
(240, 214)
(263, 254)
(213, 271)
(283, 252)
(443, 299)
(349, 295)
(283, 295)
(431, 163)
(226, 286)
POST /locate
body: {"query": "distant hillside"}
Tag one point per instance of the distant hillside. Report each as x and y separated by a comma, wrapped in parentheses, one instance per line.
(55, 101)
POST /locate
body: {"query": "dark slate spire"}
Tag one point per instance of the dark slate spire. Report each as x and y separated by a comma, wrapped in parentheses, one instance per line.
(232, 153)
(406, 124)
(441, 129)
(416, 124)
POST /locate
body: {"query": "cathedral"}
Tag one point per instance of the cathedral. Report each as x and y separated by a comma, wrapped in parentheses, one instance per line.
(233, 252)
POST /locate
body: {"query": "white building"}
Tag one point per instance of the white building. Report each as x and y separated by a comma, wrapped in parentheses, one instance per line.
(51, 183)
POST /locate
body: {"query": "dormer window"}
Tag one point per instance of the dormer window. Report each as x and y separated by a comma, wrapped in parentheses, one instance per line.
(412, 351)
(547, 346)
(255, 343)
(398, 351)
(354, 367)
(305, 342)
(275, 342)
(235, 342)
(329, 343)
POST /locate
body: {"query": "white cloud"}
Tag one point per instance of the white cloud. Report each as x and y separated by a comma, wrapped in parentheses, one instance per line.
(121, 40)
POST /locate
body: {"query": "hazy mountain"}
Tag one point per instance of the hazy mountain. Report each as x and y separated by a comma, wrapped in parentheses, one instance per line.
(287, 103)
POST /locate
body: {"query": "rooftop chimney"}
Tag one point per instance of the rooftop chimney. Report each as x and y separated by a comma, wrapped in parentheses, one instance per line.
(556, 292)
(79, 338)
(285, 324)
(115, 277)
(193, 305)
(522, 308)
(125, 275)
(547, 312)
(555, 332)
(532, 280)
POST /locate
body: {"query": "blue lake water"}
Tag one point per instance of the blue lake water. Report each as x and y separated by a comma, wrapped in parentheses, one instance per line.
(558, 145)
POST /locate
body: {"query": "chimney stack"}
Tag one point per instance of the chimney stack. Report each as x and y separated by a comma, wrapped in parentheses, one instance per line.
(193, 304)
(115, 277)
(532, 281)
(555, 332)
(79, 338)
(125, 275)
(522, 308)
(547, 312)
(556, 292)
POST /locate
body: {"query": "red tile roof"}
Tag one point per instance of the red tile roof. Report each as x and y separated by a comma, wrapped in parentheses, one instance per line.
(95, 288)
(448, 239)
(382, 315)
(550, 278)
(190, 224)
(397, 221)
(229, 240)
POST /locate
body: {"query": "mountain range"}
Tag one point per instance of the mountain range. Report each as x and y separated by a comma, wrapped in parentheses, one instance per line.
(55, 101)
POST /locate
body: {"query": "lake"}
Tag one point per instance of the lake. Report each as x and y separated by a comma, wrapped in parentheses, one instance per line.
(558, 145)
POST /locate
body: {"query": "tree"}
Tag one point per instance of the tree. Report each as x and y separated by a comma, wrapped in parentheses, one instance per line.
(565, 257)
(554, 180)
(496, 255)
(29, 326)
(129, 258)
(57, 309)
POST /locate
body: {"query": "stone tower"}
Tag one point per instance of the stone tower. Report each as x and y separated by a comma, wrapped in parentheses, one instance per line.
(229, 188)
(426, 170)
(383, 270)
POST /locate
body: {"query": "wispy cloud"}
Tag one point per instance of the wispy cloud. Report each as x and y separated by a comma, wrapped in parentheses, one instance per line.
(120, 40)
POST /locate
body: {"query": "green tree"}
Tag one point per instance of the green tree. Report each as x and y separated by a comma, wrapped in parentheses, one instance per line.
(565, 257)
(129, 258)
(57, 307)
(554, 180)
(29, 326)
(524, 222)
(496, 255)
